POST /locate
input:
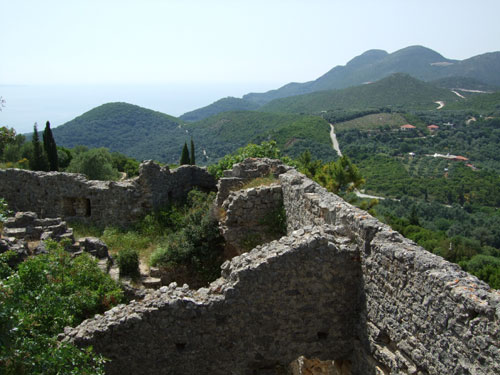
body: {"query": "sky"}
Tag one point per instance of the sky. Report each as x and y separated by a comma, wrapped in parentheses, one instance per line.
(231, 44)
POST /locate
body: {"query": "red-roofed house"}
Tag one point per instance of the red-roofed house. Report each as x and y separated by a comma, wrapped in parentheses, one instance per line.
(433, 127)
(407, 127)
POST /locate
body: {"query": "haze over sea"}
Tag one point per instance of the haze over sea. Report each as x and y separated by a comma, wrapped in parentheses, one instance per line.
(27, 104)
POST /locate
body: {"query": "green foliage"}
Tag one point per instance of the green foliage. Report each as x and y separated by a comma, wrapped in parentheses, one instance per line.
(222, 105)
(47, 293)
(264, 150)
(4, 211)
(96, 164)
(39, 160)
(197, 244)
(125, 164)
(49, 145)
(7, 136)
(193, 156)
(486, 267)
(398, 91)
(341, 176)
(64, 157)
(185, 159)
(128, 262)
(137, 132)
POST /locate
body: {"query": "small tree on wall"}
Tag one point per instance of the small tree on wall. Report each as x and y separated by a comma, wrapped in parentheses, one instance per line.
(185, 159)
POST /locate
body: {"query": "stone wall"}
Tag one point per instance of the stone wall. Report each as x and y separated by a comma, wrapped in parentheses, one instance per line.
(295, 296)
(72, 196)
(342, 286)
(249, 218)
(421, 314)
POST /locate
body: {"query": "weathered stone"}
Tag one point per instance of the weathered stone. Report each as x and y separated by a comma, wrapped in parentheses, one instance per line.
(94, 246)
(72, 196)
(341, 287)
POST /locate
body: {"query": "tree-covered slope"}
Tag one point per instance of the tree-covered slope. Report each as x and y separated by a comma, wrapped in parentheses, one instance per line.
(135, 131)
(396, 91)
(221, 105)
(145, 134)
(373, 65)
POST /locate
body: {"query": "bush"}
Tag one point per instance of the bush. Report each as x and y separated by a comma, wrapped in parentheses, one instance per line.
(128, 262)
(196, 245)
(96, 164)
(47, 293)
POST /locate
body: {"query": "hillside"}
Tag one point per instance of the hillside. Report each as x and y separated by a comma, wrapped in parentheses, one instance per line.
(221, 105)
(396, 91)
(145, 134)
(373, 65)
(135, 131)
(225, 132)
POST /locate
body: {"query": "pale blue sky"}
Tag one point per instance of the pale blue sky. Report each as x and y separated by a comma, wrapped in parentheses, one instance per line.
(197, 51)
(163, 41)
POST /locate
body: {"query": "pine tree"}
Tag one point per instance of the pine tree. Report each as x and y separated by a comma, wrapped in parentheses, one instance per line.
(193, 158)
(49, 144)
(39, 160)
(185, 155)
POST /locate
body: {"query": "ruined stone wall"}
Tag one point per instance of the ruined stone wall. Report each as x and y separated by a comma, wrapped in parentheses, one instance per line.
(249, 218)
(422, 314)
(296, 296)
(72, 196)
(342, 286)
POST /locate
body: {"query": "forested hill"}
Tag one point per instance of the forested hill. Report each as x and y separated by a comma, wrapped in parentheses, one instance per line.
(145, 134)
(135, 131)
(417, 61)
(221, 105)
(396, 91)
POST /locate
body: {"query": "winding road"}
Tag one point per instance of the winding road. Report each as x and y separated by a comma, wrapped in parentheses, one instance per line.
(335, 143)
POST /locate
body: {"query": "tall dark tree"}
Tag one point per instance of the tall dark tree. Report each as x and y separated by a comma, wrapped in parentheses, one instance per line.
(193, 158)
(50, 147)
(39, 161)
(185, 155)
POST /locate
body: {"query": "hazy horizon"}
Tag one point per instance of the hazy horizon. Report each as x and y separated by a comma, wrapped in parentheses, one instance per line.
(207, 50)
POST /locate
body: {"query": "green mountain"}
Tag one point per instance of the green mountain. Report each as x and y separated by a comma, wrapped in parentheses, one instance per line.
(398, 91)
(222, 105)
(135, 131)
(145, 134)
(458, 83)
(373, 65)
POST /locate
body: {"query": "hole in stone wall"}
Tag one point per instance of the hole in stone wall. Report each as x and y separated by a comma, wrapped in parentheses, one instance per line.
(169, 196)
(68, 207)
(180, 346)
(73, 206)
(322, 335)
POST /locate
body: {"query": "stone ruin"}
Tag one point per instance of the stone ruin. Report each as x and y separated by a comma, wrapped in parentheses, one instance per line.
(72, 197)
(339, 286)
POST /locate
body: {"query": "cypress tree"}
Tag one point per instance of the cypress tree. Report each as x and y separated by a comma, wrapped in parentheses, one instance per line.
(49, 144)
(193, 158)
(39, 160)
(185, 155)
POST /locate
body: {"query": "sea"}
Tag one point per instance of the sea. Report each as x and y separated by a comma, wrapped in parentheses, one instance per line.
(26, 104)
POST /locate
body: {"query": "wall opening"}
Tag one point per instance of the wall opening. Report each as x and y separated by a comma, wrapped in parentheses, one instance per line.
(75, 206)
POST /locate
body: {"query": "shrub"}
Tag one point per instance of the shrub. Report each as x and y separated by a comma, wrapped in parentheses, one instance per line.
(47, 293)
(196, 244)
(128, 262)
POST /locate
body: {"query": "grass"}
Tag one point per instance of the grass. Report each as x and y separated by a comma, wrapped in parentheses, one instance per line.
(119, 239)
(259, 181)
